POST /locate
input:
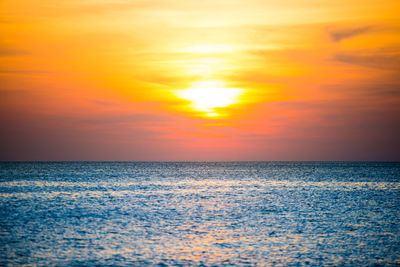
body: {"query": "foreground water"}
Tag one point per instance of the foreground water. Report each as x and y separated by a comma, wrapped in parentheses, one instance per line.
(236, 213)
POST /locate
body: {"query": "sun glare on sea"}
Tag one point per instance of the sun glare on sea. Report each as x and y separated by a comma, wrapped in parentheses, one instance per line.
(210, 95)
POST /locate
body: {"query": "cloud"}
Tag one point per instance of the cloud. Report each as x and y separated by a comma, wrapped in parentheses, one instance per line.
(127, 118)
(339, 35)
(24, 72)
(14, 93)
(104, 103)
(9, 52)
(377, 61)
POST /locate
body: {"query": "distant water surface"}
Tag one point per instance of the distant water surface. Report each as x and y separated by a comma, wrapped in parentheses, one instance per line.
(199, 213)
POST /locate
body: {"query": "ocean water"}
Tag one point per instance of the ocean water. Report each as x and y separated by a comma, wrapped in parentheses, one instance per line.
(199, 213)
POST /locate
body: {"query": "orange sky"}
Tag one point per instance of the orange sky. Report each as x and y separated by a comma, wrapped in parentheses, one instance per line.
(199, 80)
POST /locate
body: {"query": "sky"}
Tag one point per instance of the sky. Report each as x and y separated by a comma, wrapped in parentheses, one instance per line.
(199, 80)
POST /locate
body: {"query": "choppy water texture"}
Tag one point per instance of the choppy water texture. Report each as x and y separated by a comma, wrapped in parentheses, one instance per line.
(236, 213)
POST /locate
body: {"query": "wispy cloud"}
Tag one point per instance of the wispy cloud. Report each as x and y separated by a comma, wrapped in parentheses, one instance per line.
(374, 60)
(127, 118)
(9, 52)
(341, 34)
(104, 103)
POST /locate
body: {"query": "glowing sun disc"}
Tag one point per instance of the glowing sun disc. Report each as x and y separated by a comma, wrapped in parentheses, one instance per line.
(206, 96)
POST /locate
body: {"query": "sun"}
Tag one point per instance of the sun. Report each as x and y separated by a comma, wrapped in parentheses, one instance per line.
(207, 96)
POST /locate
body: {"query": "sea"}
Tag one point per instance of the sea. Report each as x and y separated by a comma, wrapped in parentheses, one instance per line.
(200, 213)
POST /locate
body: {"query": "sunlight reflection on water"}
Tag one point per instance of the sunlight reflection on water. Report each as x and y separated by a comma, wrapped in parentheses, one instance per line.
(199, 213)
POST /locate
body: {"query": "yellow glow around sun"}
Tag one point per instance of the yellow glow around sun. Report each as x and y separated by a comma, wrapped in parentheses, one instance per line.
(206, 96)
(210, 48)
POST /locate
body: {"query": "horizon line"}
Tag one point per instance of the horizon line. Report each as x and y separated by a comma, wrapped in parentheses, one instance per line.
(195, 161)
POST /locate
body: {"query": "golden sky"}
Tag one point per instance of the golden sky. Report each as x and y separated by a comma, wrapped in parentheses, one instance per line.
(199, 80)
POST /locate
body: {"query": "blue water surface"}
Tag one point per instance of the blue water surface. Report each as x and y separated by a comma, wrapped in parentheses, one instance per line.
(199, 213)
